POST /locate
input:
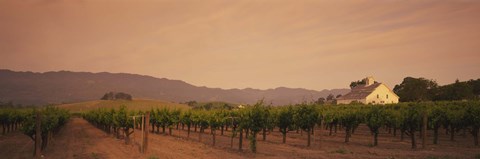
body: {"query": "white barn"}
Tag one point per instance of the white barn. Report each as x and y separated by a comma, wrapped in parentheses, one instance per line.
(370, 93)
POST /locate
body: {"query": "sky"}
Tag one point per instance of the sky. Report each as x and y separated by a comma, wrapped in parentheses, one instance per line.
(318, 44)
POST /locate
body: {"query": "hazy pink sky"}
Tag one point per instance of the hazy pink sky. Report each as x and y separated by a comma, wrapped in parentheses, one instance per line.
(236, 44)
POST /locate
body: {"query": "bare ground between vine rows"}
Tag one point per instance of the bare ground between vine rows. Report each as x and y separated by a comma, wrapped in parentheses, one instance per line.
(79, 139)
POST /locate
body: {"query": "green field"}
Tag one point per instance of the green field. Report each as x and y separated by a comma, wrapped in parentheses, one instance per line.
(136, 104)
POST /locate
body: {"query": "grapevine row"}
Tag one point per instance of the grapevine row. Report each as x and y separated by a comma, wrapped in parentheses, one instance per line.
(52, 119)
(11, 119)
(404, 118)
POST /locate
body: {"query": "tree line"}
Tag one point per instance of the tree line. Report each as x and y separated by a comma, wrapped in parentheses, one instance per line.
(421, 89)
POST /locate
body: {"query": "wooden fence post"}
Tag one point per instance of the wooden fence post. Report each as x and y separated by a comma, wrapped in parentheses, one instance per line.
(313, 135)
(424, 130)
(320, 134)
(142, 126)
(147, 126)
(38, 136)
(133, 131)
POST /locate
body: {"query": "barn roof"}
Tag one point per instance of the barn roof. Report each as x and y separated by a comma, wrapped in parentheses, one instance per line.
(360, 92)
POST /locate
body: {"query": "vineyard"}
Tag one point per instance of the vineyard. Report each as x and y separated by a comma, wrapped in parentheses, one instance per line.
(11, 119)
(399, 120)
(40, 131)
(257, 128)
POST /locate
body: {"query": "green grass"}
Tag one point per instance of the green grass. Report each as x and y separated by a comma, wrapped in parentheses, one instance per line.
(136, 104)
(153, 157)
(341, 151)
(94, 155)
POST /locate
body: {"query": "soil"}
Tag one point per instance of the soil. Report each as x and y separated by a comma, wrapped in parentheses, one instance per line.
(80, 139)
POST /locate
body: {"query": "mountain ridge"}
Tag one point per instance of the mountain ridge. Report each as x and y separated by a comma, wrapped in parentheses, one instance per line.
(36, 88)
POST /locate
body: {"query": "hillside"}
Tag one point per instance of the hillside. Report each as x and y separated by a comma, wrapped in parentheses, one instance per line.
(69, 87)
(136, 104)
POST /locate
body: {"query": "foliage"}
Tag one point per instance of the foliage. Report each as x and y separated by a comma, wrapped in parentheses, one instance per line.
(257, 120)
(375, 118)
(10, 118)
(456, 91)
(285, 120)
(356, 83)
(421, 89)
(306, 118)
(52, 118)
(116, 96)
(415, 89)
(341, 151)
(406, 117)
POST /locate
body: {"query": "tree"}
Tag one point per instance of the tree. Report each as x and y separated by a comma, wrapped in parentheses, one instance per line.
(52, 119)
(186, 119)
(122, 120)
(331, 117)
(455, 91)
(158, 119)
(330, 97)
(256, 124)
(375, 118)
(108, 96)
(475, 84)
(116, 96)
(394, 119)
(455, 118)
(214, 120)
(243, 124)
(4, 114)
(29, 126)
(208, 106)
(353, 84)
(227, 106)
(350, 118)
(473, 117)
(415, 89)
(412, 121)
(123, 96)
(191, 103)
(153, 120)
(437, 117)
(165, 120)
(202, 123)
(174, 118)
(321, 101)
(306, 118)
(222, 115)
(285, 121)
(338, 96)
(270, 117)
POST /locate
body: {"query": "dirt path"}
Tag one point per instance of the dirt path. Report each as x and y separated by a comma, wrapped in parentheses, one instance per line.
(80, 139)
(16, 145)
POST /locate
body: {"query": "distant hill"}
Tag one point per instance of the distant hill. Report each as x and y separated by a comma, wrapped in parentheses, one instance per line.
(68, 87)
